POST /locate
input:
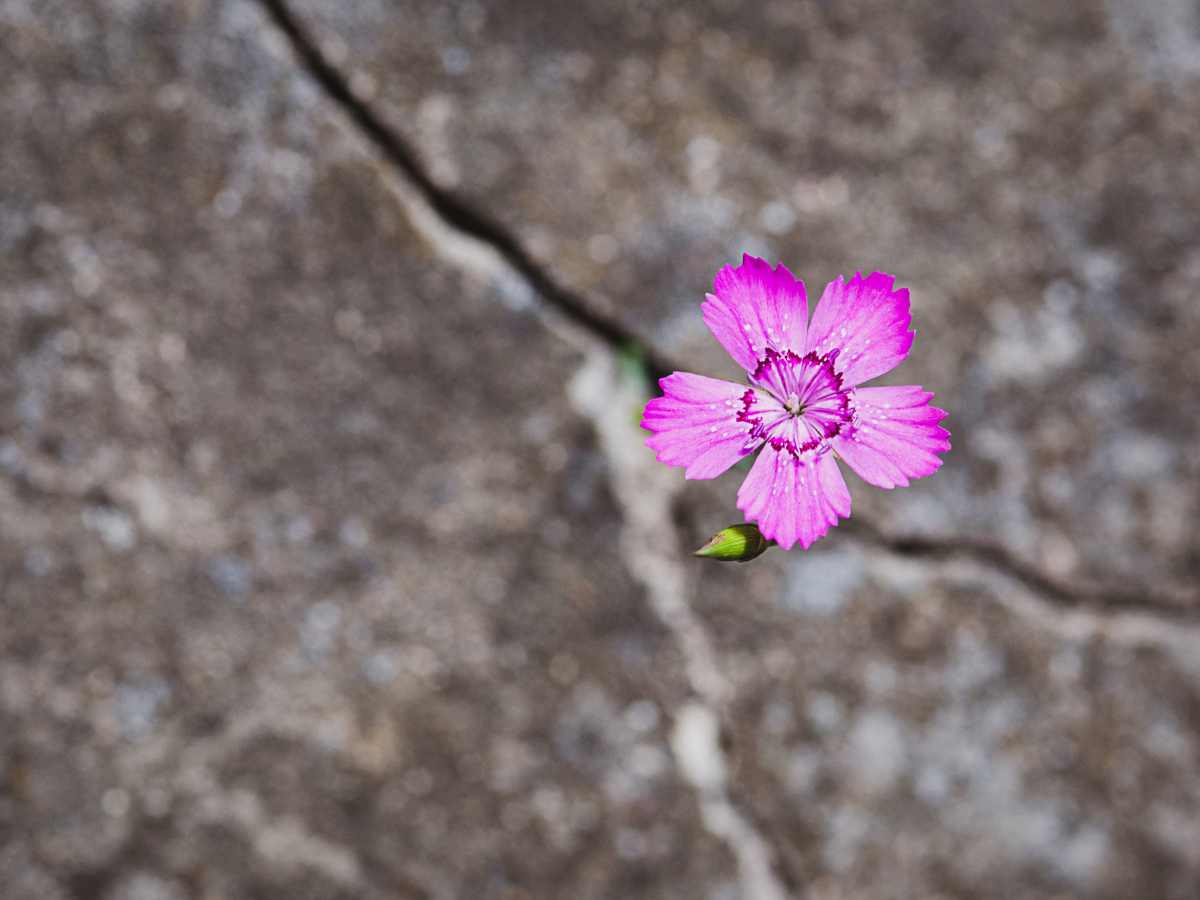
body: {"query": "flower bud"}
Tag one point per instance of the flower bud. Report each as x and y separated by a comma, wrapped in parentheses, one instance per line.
(737, 543)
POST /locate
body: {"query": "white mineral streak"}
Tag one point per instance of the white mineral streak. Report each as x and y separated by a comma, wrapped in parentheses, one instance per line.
(697, 748)
(284, 844)
(645, 489)
(649, 543)
(650, 547)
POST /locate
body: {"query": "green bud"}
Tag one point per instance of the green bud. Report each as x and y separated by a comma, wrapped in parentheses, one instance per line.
(737, 543)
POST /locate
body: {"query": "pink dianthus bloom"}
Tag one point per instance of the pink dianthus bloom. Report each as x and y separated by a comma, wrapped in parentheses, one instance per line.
(804, 405)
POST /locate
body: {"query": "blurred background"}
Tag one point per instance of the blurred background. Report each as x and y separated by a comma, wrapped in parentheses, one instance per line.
(332, 563)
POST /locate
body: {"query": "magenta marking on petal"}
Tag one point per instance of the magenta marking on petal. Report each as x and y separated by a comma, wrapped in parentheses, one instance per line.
(694, 425)
(805, 405)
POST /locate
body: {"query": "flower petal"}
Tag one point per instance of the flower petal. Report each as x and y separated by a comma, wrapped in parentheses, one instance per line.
(866, 322)
(754, 307)
(896, 436)
(794, 499)
(695, 424)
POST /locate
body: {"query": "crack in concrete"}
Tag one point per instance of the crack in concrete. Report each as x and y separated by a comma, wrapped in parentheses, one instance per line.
(1075, 624)
(453, 209)
(472, 238)
(1172, 608)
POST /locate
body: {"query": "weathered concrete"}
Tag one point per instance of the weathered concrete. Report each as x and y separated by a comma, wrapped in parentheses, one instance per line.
(331, 562)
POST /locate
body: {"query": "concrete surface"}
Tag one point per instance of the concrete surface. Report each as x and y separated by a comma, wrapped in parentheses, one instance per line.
(331, 564)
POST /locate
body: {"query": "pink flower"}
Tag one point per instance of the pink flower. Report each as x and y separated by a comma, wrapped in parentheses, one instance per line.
(805, 404)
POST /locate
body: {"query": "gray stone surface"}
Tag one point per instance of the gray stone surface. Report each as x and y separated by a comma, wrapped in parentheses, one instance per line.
(331, 567)
(309, 583)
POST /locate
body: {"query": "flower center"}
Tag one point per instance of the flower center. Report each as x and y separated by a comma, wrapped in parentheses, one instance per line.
(798, 402)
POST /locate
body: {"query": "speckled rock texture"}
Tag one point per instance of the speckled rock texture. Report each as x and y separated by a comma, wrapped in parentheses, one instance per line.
(331, 563)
